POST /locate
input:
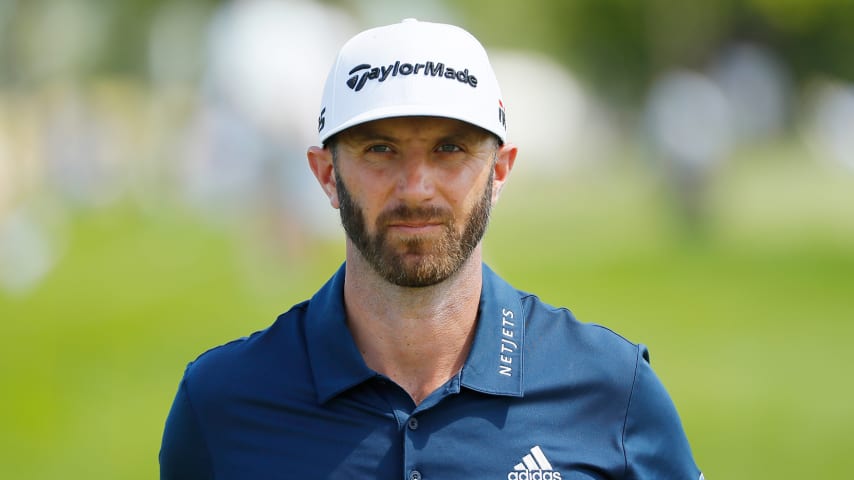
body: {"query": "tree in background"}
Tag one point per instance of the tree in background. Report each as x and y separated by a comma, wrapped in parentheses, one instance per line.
(620, 46)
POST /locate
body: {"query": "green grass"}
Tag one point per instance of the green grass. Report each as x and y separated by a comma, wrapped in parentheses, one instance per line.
(748, 323)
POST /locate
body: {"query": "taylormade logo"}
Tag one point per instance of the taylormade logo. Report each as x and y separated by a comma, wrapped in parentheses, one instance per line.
(360, 74)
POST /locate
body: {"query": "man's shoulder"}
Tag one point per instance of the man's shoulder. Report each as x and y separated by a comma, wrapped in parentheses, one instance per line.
(555, 336)
(546, 323)
(277, 348)
(542, 315)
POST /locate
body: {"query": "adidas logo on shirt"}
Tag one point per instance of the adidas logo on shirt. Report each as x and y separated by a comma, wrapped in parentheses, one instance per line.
(534, 466)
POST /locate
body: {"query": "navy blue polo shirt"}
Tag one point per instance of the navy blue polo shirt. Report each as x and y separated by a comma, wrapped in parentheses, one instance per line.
(540, 397)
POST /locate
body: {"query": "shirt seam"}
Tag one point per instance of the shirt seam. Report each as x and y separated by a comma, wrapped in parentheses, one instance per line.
(523, 348)
(628, 407)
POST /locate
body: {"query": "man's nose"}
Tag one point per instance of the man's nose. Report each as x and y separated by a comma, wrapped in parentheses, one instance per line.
(417, 179)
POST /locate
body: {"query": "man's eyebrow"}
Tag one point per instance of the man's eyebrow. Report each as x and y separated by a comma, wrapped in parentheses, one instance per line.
(464, 137)
(362, 135)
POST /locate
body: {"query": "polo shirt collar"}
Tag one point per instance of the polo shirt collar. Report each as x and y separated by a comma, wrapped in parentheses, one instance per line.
(494, 365)
(495, 362)
(336, 363)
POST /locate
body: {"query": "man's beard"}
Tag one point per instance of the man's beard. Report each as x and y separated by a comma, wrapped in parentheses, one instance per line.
(439, 257)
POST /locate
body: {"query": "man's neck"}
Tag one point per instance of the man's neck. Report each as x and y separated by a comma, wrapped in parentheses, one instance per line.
(418, 337)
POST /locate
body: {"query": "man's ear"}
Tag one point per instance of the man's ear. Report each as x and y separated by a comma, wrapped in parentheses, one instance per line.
(320, 161)
(504, 160)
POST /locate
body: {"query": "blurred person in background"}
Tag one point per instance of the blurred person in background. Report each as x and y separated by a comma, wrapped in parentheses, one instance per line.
(416, 360)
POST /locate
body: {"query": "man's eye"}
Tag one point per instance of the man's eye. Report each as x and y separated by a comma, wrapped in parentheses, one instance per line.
(449, 147)
(379, 149)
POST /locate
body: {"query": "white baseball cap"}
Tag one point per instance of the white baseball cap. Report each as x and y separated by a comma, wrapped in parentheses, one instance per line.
(411, 68)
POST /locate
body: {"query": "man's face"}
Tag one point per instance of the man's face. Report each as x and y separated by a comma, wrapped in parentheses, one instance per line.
(415, 195)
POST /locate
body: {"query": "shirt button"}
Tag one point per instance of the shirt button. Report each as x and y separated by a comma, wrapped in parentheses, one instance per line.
(415, 475)
(412, 423)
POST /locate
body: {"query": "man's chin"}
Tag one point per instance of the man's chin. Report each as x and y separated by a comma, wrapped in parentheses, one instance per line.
(416, 270)
(408, 242)
(417, 281)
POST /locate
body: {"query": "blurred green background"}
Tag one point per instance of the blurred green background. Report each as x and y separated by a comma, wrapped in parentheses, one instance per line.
(686, 177)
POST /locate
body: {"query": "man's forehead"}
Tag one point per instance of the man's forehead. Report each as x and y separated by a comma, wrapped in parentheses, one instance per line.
(421, 126)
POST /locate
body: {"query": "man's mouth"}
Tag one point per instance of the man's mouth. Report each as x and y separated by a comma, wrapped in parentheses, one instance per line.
(411, 226)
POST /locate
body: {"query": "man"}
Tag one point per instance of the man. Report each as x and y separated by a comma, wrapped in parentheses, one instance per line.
(416, 360)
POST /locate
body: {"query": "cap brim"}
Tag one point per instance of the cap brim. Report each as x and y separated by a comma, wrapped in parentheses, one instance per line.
(441, 111)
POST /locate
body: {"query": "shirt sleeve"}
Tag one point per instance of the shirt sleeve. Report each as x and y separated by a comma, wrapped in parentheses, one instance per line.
(654, 441)
(183, 452)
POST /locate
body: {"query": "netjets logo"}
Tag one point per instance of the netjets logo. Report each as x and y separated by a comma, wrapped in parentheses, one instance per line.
(534, 466)
(360, 74)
